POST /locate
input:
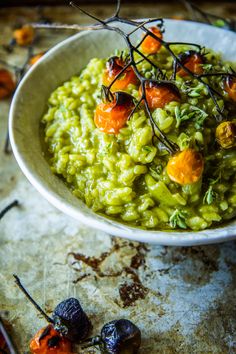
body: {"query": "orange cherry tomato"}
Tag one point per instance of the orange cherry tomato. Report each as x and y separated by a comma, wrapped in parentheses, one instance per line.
(110, 117)
(158, 94)
(178, 17)
(191, 60)
(24, 35)
(185, 167)
(48, 341)
(230, 87)
(151, 45)
(7, 84)
(35, 58)
(113, 67)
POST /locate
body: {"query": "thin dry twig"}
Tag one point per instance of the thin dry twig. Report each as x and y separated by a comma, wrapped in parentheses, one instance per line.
(13, 204)
(139, 24)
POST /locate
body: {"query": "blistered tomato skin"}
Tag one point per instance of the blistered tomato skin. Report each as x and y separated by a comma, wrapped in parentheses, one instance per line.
(226, 134)
(230, 87)
(110, 117)
(151, 45)
(159, 94)
(71, 320)
(7, 84)
(48, 341)
(185, 167)
(113, 67)
(120, 337)
(191, 60)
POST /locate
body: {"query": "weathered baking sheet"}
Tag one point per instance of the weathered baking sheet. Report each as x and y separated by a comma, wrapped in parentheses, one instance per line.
(183, 299)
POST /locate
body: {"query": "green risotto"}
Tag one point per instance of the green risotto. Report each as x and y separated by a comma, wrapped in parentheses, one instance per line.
(124, 174)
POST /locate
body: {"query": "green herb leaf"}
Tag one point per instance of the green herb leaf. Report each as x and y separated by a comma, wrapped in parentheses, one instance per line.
(178, 219)
(194, 92)
(181, 116)
(199, 117)
(196, 113)
(209, 196)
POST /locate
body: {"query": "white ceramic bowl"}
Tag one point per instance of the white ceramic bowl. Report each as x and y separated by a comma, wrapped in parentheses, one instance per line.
(30, 102)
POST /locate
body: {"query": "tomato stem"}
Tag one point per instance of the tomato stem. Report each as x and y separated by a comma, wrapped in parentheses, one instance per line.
(139, 24)
(29, 297)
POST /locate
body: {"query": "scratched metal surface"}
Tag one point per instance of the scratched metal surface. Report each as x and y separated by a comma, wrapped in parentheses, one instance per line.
(183, 299)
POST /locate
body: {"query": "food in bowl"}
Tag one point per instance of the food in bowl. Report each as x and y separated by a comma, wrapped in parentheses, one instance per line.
(157, 153)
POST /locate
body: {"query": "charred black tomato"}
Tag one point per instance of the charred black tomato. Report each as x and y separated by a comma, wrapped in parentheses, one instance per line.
(68, 319)
(117, 337)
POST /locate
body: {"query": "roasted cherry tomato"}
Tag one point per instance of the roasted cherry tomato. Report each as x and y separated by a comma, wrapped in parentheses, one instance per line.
(24, 35)
(71, 321)
(110, 117)
(7, 84)
(151, 45)
(226, 134)
(49, 341)
(185, 167)
(158, 94)
(178, 17)
(117, 337)
(191, 60)
(35, 58)
(120, 336)
(230, 87)
(113, 67)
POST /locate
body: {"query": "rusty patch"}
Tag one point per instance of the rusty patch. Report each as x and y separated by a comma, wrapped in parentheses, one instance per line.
(92, 262)
(138, 259)
(95, 263)
(129, 293)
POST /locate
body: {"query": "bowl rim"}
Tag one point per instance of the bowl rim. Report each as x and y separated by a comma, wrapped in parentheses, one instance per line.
(173, 238)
